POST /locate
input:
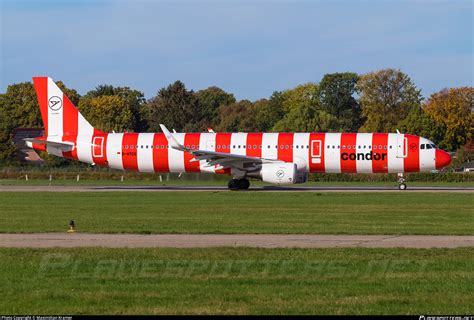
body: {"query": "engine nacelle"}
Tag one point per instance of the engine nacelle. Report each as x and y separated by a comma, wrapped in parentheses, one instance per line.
(279, 173)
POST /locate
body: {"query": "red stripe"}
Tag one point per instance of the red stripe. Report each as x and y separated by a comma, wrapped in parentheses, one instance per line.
(41, 87)
(379, 156)
(285, 150)
(223, 139)
(129, 155)
(254, 144)
(191, 140)
(316, 164)
(39, 147)
(348, 144)
(160, 153)
(70, 126)
(412, 160)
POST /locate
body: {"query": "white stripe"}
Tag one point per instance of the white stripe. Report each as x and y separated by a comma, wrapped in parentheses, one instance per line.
(55, 111)
(84, 140)
(175, 157)
(332, 159)
(395, 164)
(364, 140)
(207, 142)
(238, 140)
(300, 155)
(114, 150)
(145, 152)
(269, 141)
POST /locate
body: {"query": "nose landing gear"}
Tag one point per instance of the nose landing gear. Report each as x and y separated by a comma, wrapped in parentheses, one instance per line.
(238, 184)
(401, 182)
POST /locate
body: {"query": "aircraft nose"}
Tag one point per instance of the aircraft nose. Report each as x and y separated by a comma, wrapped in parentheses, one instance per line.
(443, 159)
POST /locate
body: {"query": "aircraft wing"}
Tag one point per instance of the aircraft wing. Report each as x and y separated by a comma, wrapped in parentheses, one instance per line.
(220, 159)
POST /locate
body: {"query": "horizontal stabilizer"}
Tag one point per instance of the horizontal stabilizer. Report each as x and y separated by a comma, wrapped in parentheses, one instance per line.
(63, 145)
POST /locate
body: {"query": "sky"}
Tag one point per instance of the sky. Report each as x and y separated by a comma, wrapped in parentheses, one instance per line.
(248, 48)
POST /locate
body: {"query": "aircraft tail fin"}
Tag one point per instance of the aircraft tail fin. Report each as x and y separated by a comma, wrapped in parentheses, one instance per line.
(60, 116)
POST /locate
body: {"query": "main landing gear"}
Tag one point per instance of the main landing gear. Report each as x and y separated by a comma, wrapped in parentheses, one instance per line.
(401, 182)
(238, 184)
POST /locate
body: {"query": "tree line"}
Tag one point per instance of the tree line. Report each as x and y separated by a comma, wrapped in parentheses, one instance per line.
(379, 101)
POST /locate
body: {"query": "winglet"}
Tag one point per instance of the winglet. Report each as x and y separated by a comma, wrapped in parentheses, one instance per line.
(172, 140)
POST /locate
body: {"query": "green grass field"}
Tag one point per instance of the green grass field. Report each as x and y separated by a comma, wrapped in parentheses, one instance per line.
(237, 281)
(240, 212)
(218, 181)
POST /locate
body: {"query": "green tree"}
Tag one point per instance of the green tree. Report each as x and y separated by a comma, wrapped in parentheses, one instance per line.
(386, 98)
(108, 113)
(133, 99)
(235, 117)
(175, 107)
(210, 100)
(336, 94)
(303, 95)
(303, 112)
(268, 112)
(306, 119)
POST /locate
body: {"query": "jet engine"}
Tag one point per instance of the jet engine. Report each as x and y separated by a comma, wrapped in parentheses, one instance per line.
(279, 173)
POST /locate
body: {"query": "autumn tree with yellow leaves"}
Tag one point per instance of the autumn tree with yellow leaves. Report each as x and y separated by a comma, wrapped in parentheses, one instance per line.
(452, 109)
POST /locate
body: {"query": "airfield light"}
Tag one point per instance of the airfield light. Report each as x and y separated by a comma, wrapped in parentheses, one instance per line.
(72, 226)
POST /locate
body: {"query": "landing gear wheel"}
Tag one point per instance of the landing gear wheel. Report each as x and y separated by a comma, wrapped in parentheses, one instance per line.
(233, 184)
(244, 184)
(401, 182)
(236, 184)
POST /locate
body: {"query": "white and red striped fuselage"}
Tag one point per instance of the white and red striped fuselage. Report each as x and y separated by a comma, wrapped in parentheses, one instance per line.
(312, 152)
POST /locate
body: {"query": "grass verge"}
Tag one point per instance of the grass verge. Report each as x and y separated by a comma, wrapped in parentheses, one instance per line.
(239, 212)
(237, 281)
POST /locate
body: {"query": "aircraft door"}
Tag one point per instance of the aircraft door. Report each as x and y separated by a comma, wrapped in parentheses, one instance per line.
(316, 151)
(98, 147)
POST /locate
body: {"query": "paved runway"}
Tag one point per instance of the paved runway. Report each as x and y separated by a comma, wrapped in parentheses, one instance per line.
(65, 240)
(224, 189)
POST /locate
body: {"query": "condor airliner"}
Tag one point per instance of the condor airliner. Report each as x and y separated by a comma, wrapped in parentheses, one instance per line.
(276, 158)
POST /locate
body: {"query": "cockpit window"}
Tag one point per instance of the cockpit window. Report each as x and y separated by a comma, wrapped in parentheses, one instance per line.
(422, 146)
(428, 146)
(434, 146)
